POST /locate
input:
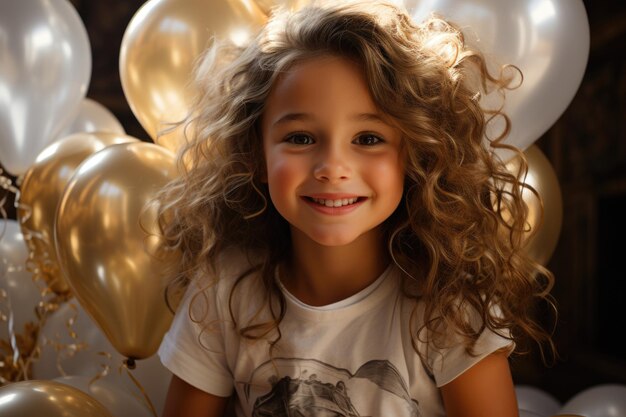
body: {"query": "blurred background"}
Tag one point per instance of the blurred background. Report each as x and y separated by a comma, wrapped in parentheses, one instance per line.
(585, 149)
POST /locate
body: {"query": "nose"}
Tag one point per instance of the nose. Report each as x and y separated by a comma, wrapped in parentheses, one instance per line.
(333, 164)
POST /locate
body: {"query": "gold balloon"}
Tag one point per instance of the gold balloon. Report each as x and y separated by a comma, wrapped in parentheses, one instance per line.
(41, 191)
(103, 246)
(544, 234)
(47, 398)
(160, 46)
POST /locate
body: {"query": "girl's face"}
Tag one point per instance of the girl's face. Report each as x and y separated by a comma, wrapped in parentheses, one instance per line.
(334, 166)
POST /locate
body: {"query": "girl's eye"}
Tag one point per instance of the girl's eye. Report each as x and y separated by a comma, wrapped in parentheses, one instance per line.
(300, 139)
(368, 139)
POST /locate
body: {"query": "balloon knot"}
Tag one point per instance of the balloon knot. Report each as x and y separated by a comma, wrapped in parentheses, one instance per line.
(130, 363)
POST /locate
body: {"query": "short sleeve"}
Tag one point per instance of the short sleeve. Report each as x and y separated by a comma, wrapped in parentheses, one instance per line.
(193, 349)
(448, 363)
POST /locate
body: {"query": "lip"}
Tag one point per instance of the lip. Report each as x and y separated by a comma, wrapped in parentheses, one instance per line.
(333, 211)
(332, 196)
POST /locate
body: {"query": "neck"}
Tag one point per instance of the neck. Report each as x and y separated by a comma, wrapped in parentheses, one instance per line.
(320, 275)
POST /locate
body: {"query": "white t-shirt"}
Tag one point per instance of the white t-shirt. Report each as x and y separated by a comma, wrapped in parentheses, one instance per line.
(352, 359)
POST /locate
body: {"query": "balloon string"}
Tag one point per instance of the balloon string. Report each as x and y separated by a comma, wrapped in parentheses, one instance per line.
(24, 349)
(63, 350)
(21, 348)
(128, 365)
(72, 349)
(12, 337)
(43, 311)
(13, 361)
(105, 368)
(69, 349)
(7, 184)
(39, 262)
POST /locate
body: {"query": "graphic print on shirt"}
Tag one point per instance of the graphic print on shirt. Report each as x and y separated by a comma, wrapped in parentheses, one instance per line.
(308, 387)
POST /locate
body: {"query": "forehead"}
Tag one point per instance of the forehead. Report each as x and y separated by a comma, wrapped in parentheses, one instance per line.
(329, 80)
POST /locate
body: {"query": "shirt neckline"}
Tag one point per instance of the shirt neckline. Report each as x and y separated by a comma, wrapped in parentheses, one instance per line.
(363, 299)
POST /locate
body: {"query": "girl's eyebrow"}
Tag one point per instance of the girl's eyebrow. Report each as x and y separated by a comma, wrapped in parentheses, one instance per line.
(359, 117)
(370, 117)
(291, 117)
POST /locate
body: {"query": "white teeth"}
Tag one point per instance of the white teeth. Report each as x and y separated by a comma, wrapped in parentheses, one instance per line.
(335, 203)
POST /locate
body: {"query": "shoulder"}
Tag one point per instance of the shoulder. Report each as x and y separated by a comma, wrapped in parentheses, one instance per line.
(454, 359)
(443, 350)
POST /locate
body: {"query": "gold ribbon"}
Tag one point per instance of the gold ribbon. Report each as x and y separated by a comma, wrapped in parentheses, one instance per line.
(129, 365)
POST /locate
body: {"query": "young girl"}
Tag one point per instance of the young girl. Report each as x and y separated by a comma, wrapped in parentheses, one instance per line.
(350, 244)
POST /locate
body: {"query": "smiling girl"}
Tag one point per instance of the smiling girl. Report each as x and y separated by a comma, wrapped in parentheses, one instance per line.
(345, 250)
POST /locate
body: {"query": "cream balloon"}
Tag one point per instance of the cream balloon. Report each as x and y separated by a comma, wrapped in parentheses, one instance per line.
(548, 40)
(535, 400)
(160, 45)
(606, 400)
(545, 231)
(93, 117)
(45, 67)
(72, 338)
(22, 294)
(47, 398)
(41, 192)
(102, 245)
(119, 402)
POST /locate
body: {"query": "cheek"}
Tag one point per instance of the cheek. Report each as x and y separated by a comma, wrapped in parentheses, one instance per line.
(281, 174)
(388, 174)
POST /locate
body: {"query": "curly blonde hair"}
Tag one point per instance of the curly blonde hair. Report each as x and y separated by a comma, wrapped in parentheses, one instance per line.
(458, 234)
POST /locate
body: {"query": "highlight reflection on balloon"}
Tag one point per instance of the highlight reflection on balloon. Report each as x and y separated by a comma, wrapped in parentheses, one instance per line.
(47, 398)
(45, 70)
(41, 192)
(102, 245)
(160, 46)
(548, 40)
(93, 117)
(543, 179)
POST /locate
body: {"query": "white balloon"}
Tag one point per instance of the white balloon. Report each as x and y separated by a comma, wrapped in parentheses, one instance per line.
(117, 401)
(88, 360)
(536, 401)
(548, 40)
(93, 117)
(599, 401)
(45, 68)
(22, 293)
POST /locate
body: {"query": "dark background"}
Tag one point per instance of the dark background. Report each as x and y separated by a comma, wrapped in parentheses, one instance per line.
(587, 148)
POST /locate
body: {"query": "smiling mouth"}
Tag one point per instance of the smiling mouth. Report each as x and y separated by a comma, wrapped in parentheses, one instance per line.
(341, 202)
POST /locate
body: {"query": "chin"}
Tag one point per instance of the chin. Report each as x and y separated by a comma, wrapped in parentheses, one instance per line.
(333, 239)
